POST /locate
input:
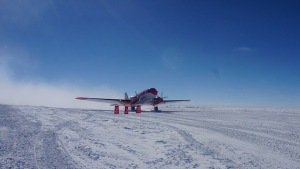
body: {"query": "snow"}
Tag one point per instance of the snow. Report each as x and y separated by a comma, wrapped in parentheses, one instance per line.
(176, 137)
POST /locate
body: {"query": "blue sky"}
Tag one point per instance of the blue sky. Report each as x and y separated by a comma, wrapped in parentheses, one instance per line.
(213, 52)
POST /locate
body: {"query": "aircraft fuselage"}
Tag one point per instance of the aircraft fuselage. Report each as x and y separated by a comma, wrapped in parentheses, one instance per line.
(146, 97)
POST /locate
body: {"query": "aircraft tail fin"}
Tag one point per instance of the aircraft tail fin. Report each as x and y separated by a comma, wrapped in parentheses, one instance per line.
(126, 96)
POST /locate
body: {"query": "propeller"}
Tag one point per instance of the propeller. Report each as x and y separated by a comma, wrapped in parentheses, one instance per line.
(161, 98)
(162, 95)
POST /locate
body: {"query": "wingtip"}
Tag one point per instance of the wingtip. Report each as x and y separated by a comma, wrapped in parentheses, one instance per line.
(80, 98)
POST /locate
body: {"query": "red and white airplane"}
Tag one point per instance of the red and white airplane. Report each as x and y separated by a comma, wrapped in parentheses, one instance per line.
(147, 97)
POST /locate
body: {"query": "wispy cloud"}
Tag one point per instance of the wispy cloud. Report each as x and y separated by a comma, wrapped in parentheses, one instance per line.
(32, 92)
(244, 49)
(216, 72)
(25, 12)
(172, 58)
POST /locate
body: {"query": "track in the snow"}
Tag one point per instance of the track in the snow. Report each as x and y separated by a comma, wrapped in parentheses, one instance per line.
(186, 137)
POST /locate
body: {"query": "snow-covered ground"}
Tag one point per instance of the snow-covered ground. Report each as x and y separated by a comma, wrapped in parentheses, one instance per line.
(177, 137)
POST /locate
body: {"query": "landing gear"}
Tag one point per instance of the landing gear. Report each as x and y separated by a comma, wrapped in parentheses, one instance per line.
(156, 109)
(132, 108)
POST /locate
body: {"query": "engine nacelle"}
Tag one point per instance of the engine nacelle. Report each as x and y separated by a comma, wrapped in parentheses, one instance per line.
(157, 100)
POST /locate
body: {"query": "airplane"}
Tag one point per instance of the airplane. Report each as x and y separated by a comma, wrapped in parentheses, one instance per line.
(146, 97)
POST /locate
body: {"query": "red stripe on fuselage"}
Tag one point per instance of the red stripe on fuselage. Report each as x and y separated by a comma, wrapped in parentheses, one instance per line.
(151, 90)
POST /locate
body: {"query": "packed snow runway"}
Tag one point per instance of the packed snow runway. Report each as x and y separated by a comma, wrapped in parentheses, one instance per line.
(177, 137)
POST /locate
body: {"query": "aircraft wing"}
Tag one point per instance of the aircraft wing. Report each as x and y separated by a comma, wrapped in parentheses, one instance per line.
(113, 102)
(173, 101)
